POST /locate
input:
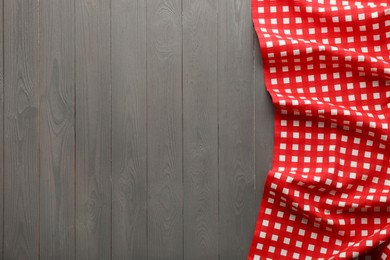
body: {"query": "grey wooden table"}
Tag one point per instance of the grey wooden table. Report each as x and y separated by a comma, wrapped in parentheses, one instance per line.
(131, 129)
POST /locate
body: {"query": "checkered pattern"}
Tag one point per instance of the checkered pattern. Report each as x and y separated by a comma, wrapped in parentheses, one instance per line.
(327, 68)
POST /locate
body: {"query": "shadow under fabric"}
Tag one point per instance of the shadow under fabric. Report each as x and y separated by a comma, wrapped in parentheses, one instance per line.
(327, 68)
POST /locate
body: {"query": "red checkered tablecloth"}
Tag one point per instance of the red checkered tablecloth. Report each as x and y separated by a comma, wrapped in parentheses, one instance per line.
(327, 68)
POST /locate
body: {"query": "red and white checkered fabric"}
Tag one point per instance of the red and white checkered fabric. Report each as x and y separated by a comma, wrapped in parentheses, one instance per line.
(327, 68)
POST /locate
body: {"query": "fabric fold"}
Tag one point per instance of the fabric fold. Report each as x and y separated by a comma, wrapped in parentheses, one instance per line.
(326, 66)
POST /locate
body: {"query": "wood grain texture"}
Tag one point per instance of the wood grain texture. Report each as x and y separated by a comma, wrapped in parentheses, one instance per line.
(164, 80)
(57, 133)
(21, 133)
(1, 130)
(264, 126)
(200, 129)
(93, 135)
(236, 129)
(131, 129)
(129, 222)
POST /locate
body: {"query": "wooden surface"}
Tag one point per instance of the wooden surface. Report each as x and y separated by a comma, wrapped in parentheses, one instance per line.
(131, 129)
(129, 136)
(93, 125)
(56, 130)
(237, 204)
(200, 129)
(1, 129)
(164, 131)
(21, 130)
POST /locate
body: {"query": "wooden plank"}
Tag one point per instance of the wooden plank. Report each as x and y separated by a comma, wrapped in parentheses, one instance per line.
(129, 221)
(236, 129)
(57, 133)
(200, 129)
(264, 125)
(165, 187)
(93, 136)
(21, 130)
(1, 131)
